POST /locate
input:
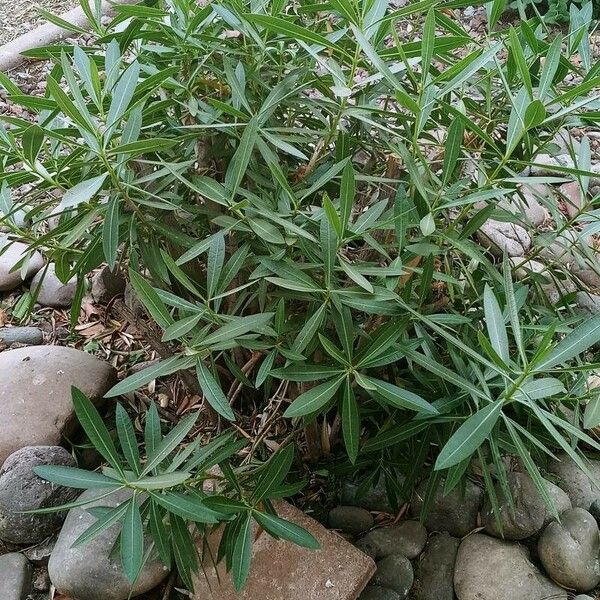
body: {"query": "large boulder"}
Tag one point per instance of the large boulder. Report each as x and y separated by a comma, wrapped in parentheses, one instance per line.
(35, 393)
(528, 512)
(582, 490)
(51, 291)
(91, 571)
(434, 570)
(22, 490)
(569, 550)
(15, 576)
(491, 569)
(9, 257)
(455, 512)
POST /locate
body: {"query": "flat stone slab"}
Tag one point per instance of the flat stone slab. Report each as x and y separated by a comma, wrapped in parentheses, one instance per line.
(281, 570)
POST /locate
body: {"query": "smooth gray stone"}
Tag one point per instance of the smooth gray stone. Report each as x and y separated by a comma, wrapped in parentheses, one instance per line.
(396, 573)
(407, 538)
(350, 519)
(51, 291)
(9, 257)
(15, 576)
(434, 569)
(30, 336)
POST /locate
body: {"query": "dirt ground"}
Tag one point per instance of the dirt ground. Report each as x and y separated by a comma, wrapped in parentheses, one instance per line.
(18, 16)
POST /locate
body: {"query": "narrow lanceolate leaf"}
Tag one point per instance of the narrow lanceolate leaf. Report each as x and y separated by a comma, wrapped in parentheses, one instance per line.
(161, 482)
(511, 305)
(127, 438)
(132, 541)
(94, 427)
(281, 528)
(306, 372)
(277, 468)
(123, 93)
(75, 478)
(469, 436)
(187, 507)
(212, 391)
(241, 158)
(350, 421)
(110, 233)
(102, 524)
(494, 321)
(152, 429)
(150, 299)
(399, 397)
(579, 340)
(181, 328)
(82, 192)
(237, 327)
(314, 399)
(170, 442)
(536, 389)
(347, 193)
(591, 415)
(242, 553)
(216, 258)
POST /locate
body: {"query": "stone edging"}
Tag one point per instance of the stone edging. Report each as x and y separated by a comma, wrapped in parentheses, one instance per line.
(46, 34)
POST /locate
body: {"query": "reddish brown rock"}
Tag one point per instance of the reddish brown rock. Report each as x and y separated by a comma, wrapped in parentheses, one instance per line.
(283, 571)
(573, 198)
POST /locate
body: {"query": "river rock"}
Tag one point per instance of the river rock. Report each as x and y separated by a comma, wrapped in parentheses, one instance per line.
(396, 573)
(502, 237)
(529, 512)
(22, 490)
(455, 513)
(106, 285)
(375, 499)
(29, 336)
(573, 198)
(588, 303)
(350, 519)
(35, 393)
(527, 202)
(583, 597)
(90, 571)
(580, 489)
(569, 550)
(51, 291)
(15, 576)
(491, 569)
(10, 279)
(376, 592)
(407, 538)
(434, 571)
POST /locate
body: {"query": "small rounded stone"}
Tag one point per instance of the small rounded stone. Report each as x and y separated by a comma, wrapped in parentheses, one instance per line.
(396, 573)
(350, 519)
(376, 592)
(408, 538)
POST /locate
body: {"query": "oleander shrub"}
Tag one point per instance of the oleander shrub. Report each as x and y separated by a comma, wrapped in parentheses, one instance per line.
(295, 190)
(558, 11)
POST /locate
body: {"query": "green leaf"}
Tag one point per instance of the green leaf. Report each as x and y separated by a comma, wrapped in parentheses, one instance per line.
(494, 321)
(577, 341)
(161, 482)
(535, 114)
(170, 442)
(184, 506)
(281, 528)
(150, 299)
(314, 399)
(95, 429)
(132, 541)
(266, 231)
(240, 160)
(469, 436)
(237, 327)
(82, 192)
(216, 258)
(123, 93)
(127, 438)
(350, 421)
(347, 194)
(275, 472)
(110, 232)
(212, 391)
(242, 553)
(400, 398)
(591, 415)
(152, 429)
(181, 328)
(75, 478)
(306, 372)
(359, 279)
(536, 389)
(102, 524)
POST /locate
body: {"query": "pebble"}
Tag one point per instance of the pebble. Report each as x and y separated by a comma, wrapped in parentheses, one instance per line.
(573, 197)
(22, 490)
(396, 573)
(502, 237)
(90, 571)
(407, 538)
(575, 482)
(455, 513)
(588, 303)
(51, 291)
(9, 280)
(491, 569)
(15, 576)
(434, 571)
(36, 408)
(528, 203)
(30, 336)
(376, 592)
(106, 285)
(529, 512)
(569, 550)
(350, 519)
